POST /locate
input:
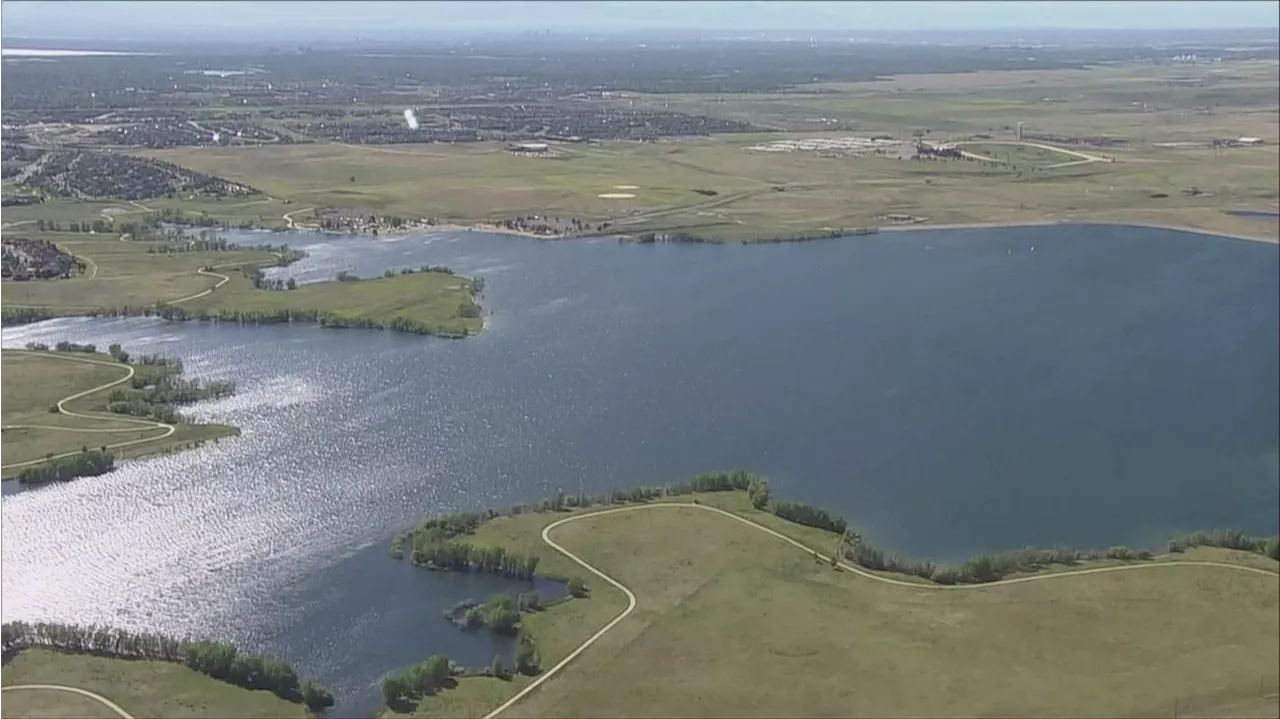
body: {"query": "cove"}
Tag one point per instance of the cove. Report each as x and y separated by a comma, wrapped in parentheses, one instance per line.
(947, 392)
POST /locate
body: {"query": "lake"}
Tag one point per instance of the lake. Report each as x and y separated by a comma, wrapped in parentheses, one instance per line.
(947, 391)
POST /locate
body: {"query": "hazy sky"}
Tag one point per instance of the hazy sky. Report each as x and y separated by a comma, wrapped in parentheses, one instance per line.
(196, 18)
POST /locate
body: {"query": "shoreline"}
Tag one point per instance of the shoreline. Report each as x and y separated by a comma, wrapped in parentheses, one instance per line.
(494, 229)
(133, 446)
(1259, 237)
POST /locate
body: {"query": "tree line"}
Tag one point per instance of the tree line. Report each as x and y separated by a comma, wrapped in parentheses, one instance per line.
(419, 680)
(323, 318)
(459, 556)
(1226, 539)
(218, 660)
(980, 568)
(88, 463)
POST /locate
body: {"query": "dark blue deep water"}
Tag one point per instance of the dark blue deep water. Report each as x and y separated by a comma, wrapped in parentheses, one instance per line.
(948, 392)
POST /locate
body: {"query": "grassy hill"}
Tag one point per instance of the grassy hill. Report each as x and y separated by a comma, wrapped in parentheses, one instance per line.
(731, 621)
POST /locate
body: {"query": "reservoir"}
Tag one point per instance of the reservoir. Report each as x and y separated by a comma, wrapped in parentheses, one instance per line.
(948, 392)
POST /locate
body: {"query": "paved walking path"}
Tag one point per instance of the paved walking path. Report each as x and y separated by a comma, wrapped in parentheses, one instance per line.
(72, 690)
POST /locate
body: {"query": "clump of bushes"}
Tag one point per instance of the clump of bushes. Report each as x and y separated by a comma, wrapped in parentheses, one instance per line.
(1227, 539)
(420, 680)
(88, 463)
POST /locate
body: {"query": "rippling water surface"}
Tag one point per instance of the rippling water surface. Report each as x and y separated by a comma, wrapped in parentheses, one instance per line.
(949, 392)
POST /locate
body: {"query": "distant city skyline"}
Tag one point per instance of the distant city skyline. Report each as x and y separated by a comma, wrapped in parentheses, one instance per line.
(263, 19)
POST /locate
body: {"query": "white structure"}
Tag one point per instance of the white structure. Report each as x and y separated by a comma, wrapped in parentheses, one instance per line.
(1249, 141)
(532, 147)
(1019, 132)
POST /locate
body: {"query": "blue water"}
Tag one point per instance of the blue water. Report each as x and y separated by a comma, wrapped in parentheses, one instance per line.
(948, 392)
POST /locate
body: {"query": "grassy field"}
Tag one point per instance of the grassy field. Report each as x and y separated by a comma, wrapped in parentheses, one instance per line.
(770, 195)
(1019, 156)
(121, 274)
(732, 622)
(434, 299)
(124, 274)
(145, 689)
(35, 382)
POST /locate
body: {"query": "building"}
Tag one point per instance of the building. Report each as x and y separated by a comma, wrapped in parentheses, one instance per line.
(1249, 141)
(1019, 132)
(529, 148)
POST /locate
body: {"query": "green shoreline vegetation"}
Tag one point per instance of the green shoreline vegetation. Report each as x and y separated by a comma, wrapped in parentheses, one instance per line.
(739, 492)
(70, 397)
(161, 272)
(218, 660)
(978, 569)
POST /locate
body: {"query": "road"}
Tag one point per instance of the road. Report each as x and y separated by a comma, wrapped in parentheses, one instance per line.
(72, 690)
(631, 597)
(147, 424)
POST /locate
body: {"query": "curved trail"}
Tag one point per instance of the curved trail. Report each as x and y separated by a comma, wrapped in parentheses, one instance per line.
(73, 690)
(288, 217)
(631, 597)
(147, 424)
(222, 280)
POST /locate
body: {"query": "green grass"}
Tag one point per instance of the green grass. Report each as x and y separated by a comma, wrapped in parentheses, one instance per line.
(732, 622)
(121, 274)
(1020, 156)
(34, 382)
(1145, 105)
(771, 195)
(145, 689)
(434, 299)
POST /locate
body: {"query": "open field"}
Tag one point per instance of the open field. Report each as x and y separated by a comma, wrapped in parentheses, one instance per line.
(36, 382)
(145, 689)
(723, 611)
(759, 195)
(1019, 155)
(121, 274)
(1182, 103)
(713, 187)
(1159, 123)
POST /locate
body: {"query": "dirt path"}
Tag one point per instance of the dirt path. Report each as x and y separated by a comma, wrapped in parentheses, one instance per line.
(222, 280)
(631, 597)
(72, 690)
(147, 424)
(288, 216)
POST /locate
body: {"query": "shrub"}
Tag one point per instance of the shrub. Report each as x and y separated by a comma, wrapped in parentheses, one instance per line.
(316, 697)
(528, 662)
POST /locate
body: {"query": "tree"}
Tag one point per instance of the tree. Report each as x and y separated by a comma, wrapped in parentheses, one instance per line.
(499, 615)
(758, 491)
(527, 659)
(498, 669)
(316, 697)
(291, 284)
(393, 688)
(437, 669)
(576, 587)
(1272, 548)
